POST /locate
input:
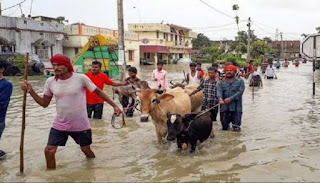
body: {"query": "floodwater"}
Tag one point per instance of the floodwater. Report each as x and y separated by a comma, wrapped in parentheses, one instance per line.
(279, 140)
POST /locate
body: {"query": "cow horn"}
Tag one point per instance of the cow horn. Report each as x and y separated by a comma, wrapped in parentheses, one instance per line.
(171, 82)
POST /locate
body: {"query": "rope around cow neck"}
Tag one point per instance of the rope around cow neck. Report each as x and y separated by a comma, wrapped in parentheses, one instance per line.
(203, 112)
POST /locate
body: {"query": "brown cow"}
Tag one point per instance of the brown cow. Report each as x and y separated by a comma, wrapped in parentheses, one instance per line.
(157, 106)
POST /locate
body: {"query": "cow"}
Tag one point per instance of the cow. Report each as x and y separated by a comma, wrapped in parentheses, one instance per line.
(190, 128)
(157, 106)
(196, 99)
(127, 97)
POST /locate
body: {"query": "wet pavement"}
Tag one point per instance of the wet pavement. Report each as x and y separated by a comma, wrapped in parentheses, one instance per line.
(279, 140)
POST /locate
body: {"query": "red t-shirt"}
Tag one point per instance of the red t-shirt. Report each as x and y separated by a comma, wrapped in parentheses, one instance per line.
(249, 68)
(99, 81)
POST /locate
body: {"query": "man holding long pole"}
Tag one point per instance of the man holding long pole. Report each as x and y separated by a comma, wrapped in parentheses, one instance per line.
(69, 90)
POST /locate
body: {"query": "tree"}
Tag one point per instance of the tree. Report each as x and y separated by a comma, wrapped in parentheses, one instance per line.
(267, 39)
(235, 8)
(201, 41)
(243, 37)
(212, 52)
(318, 29)
(259, 48)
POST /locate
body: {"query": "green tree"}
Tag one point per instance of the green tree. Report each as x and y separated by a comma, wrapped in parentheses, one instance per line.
(267, 39)
(235, 8)
(201, 41)
(318, 29)
(211, 53)
(259, 48)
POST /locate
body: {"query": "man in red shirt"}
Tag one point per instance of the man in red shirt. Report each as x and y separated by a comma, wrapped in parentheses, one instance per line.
(94, 103)
(249, 68)
(199, 68)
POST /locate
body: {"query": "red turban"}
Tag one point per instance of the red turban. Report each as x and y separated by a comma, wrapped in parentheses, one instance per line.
(61, 60)
(231, 67)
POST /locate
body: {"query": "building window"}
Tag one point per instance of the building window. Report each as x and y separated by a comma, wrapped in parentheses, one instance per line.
(76, 50)
(42, 24)
(131, 55)
(171, 37)
(164, 35)
(157, 34)
(25, 22)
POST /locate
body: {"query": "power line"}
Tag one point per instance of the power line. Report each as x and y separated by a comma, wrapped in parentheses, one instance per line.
(216, 9)
(261, 28)
(217, 30)
(217, 26)
(31, 7)
(18, 4)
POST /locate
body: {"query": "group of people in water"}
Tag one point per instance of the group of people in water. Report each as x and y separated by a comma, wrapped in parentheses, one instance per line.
(80, 96)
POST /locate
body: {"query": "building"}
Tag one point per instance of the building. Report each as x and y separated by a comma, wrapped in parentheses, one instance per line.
(164, 42)
(79, 34)
(37, 35)
(287, 49)
(222, 43)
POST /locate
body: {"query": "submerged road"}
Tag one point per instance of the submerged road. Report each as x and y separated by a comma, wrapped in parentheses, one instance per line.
(279, 140)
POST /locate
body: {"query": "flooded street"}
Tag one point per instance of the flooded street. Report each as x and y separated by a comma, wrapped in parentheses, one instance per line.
(279, 140)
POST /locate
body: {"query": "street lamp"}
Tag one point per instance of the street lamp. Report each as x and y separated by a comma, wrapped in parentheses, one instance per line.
(138, 13)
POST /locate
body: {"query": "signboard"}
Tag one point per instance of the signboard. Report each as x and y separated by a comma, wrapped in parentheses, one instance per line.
(307, 46)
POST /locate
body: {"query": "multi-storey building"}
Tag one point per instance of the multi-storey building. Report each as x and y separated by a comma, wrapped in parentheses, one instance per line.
(163, 42)
(79, 34)
(36, 35)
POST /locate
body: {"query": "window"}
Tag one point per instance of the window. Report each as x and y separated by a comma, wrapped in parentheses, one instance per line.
(131, 55)
(164, 35)
(42, 24)
(76, 50)
(157, 34)
(171, 39)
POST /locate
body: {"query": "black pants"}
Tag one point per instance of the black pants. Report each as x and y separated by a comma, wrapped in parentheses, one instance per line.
(269, 77)
(213, 112)
(96, 109)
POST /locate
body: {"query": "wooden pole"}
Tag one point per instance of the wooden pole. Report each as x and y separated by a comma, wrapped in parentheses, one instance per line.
(23, 115)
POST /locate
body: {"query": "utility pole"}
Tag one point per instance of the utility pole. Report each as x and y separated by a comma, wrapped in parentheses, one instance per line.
(0, 9)
(121, 49)
(249, 37)
(281, 53)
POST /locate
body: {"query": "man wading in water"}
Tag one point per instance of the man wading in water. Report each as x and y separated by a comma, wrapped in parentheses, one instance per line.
(69, 90)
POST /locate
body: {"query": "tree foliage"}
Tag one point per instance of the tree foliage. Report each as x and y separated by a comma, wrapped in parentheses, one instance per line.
(201, 41)
(267, 39)
(318, 29)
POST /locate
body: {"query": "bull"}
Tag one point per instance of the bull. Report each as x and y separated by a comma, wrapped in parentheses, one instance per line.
(157, 106)
(189, 129)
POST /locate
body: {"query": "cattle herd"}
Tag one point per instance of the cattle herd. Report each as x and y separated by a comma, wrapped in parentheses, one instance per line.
(174, 113)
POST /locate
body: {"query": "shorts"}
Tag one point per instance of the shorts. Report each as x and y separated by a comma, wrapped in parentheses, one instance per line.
(59, 138)
(96, 109)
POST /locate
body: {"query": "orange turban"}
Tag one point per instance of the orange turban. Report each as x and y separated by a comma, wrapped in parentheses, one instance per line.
(61, 60)
(231, 67)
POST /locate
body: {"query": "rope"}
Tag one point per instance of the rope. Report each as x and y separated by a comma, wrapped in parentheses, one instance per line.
(113, 122)
(203, 112)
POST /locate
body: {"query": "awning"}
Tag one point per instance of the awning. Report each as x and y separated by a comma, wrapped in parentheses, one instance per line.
(192, 51)
(154, 49)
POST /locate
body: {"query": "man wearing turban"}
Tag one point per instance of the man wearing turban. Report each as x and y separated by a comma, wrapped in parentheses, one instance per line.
(229, 93)
(69, 90)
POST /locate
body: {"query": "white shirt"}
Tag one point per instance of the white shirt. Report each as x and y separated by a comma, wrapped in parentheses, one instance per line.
(194, 79)
(70, 95)
(270, 72)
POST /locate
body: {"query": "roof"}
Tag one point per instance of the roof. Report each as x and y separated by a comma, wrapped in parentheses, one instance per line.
(154, 49)
(178, 27)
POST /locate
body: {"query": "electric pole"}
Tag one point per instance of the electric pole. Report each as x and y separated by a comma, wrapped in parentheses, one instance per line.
(121, 49)
(249, 37)
(281, 53)
(0, 9)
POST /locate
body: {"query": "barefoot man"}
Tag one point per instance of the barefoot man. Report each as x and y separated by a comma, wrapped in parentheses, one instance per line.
(69, 90)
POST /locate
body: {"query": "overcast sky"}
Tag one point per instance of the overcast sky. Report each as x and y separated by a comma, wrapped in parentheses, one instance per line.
(292, 17)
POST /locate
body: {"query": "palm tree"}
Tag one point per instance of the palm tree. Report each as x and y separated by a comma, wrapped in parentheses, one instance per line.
(235, 8)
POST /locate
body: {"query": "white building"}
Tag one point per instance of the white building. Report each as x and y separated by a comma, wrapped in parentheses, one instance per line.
(37, 35)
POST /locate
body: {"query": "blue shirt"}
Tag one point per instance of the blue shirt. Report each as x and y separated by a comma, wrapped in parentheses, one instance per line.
(5, 94)
(232, 90)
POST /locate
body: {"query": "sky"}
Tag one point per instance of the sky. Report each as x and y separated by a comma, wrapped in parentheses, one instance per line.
(291, 17)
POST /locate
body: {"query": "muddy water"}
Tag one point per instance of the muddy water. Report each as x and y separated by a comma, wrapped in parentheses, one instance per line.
(279, 142)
